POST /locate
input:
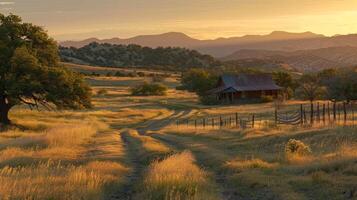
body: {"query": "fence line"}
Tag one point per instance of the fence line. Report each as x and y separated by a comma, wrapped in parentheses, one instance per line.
(306, 115)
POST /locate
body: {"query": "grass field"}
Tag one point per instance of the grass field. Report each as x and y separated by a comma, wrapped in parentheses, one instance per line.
(129, 148)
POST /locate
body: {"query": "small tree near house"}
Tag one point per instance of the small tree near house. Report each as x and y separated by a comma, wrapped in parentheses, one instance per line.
(311, 88)
(30, 72)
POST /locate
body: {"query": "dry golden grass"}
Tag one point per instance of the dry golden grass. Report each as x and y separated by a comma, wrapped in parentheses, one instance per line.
(105, 70)
(148, 143)
(238, 164)
(53, 159)
(54, 180)
(176, 178)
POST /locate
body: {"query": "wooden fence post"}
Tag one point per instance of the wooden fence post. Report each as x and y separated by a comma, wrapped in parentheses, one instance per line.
(339, 112)
(195, 123)
(344, 113)
(213, 122)
(334, 112)
(220, 121)
(353, 113)
(253, 121)
(204, 122)
(301, 115)
(328, 112)
(276, 117)
(324, 114)
(318, 112)
(312, 114)
(237, 123)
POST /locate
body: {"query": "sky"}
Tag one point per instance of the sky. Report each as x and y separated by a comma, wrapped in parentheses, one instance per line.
(201, 19)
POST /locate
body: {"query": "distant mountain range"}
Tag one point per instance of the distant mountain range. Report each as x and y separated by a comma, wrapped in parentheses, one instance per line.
(303, 60)
(303, 51)
(277, 41)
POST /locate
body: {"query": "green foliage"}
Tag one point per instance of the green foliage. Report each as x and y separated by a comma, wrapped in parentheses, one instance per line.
(209, 100)
(134, 55)
(341, 85)
(119, 74)
(149, 89)
(311, 88)
(286, 81)
(199, 81)
(267, 99)
(30, 73)
(141, 74)
(297, 147)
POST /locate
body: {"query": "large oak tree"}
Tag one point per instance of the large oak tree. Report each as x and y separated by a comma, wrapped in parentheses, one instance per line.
(30, 72)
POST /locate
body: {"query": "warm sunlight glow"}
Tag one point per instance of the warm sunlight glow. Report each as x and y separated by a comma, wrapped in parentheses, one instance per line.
(203, 19)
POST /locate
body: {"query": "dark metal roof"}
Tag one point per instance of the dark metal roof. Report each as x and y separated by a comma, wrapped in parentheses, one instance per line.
(246, 82)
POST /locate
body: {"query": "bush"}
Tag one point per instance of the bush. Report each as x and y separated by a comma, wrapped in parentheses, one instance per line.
(267, 99)
(149, 89)
(297, 147)
(158, 78)
(95, 74)
(102, 92)
(109, 74)
(141, 74)
(119, 74)
(132, 74)
(209, 100)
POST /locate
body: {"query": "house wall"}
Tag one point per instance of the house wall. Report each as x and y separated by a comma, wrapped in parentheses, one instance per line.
(231, 97)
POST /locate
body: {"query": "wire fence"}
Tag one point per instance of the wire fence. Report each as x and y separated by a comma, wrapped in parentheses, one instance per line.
(327, 113)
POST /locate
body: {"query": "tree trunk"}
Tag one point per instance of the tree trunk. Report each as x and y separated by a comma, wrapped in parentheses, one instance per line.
(4, 112)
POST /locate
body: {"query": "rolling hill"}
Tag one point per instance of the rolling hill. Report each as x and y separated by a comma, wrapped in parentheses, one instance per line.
(109, 55)
(222, 47)
(304, 60)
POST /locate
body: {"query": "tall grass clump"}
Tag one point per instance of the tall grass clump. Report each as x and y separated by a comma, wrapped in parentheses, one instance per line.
(176, 178)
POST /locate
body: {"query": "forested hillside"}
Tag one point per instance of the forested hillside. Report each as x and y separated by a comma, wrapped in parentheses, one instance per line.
(135, 55)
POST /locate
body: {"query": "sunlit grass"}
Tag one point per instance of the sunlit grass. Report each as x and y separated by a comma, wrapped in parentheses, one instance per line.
(54, 180)
(53, 161)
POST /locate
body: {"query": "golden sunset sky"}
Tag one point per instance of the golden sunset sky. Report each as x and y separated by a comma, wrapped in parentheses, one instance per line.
(202, 19)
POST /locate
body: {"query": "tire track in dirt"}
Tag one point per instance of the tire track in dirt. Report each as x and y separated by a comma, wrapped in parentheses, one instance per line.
(128, 190)
(208, 158)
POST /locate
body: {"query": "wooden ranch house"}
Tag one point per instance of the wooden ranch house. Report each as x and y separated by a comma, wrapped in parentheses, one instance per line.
(233, 88)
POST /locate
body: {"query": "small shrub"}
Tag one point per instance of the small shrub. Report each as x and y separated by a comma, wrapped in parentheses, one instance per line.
(102, 92)
(141, 74)
(180, 87)
(209, 100)
(297, 147)
(267, 99)
(109, 74)
(149, 89)
(158, 78)
(119, 74)
(132, 74)
(95, 74)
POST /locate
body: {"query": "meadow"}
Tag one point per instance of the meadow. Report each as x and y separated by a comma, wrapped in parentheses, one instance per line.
(130, 148)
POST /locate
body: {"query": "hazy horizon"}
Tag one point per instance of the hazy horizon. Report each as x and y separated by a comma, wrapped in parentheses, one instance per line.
(209, 19)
